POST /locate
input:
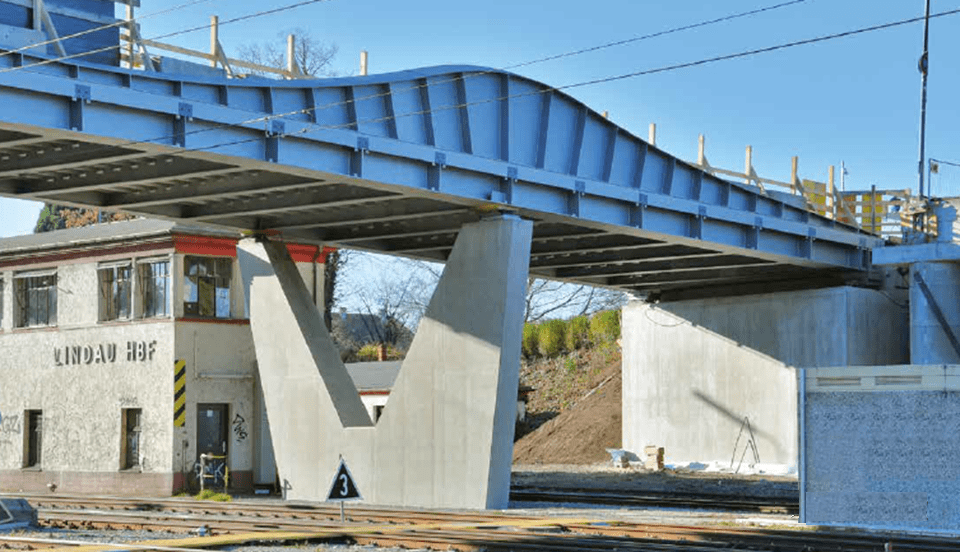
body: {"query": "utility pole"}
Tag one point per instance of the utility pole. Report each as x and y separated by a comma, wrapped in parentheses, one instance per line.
(924, 65)
(843, 173)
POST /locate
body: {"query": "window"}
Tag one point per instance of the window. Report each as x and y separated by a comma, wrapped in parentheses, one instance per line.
(115, 291)
(33, 435)
(130, 446)
(154, 284)
(207, 286)
(36, 296)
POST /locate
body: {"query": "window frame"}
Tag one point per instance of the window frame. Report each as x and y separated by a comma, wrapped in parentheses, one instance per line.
(104, 303)
(22, 294)
(145, 278)
(195, 309)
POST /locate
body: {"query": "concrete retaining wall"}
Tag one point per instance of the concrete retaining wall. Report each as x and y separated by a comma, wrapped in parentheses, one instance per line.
(694, 371)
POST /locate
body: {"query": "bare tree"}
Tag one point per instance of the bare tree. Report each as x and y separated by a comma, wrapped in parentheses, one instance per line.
(547, 298)
(313, 57)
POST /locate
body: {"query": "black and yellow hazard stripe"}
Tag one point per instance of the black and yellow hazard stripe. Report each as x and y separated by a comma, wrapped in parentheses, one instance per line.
(179, 393)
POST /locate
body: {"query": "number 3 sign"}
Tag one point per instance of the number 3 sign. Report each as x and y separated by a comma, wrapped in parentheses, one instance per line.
(343, 488)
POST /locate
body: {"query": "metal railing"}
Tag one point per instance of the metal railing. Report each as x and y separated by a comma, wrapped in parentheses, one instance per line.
(883, 212)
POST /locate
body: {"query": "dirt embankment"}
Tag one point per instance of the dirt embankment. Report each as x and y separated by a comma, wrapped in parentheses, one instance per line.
(574, 411)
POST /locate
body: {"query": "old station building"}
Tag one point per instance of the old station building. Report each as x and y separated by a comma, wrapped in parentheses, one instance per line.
(127, 354)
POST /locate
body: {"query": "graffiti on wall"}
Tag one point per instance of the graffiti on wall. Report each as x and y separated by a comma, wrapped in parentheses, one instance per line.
(239, 427)
(9, 426)
(215, 472)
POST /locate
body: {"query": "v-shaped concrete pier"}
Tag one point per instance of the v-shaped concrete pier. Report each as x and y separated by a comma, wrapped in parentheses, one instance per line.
(445, 438)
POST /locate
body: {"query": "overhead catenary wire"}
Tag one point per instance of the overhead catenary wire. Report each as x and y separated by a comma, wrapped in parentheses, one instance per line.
(383, 94)
(657, 34)
(548, 89)
(673, 67)
(117, 46)
(119, 23)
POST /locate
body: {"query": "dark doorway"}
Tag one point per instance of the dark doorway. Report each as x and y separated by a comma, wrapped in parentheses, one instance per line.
(131, 438)
(212, 432)
(34, 436)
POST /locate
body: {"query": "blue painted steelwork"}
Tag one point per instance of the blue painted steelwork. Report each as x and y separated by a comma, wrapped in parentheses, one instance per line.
(69, 17)
(397, 163)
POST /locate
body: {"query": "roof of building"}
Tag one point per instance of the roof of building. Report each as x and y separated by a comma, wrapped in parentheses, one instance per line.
(106, 232)
(374, 376)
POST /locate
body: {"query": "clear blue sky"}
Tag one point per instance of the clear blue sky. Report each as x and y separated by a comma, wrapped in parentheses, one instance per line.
(854, 99)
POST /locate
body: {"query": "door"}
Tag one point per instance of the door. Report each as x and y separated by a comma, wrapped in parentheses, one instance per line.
(212, 432)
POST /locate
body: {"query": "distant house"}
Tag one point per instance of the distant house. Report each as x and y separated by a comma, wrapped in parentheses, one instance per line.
(354, 330)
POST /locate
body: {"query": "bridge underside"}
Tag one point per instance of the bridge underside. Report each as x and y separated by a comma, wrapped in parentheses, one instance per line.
(68, 168)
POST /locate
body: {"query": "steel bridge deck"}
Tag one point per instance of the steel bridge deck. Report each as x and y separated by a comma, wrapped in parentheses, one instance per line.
(397, 163)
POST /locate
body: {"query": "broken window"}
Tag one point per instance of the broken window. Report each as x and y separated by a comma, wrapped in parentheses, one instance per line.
(154, 286)
(206, 290)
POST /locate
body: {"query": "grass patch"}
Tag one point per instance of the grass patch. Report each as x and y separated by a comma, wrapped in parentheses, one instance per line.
(214, 496)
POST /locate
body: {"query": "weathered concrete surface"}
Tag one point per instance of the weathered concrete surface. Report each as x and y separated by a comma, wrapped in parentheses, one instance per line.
(694, 371)
(445, 437)
(929, 342)
(881, 447)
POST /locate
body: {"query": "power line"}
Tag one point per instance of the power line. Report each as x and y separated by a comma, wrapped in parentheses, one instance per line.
(119, 23)
(383, 94)
(656, 34)
(315, 127)
(168, 35)
(634, 74)
(756, 51)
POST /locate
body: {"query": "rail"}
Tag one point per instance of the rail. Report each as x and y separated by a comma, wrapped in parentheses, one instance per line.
(883, 212)
(264, 521)
(135, 52)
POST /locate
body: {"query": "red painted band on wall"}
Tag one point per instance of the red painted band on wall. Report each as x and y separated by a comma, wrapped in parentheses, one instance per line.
(227, 247)
(205, 245)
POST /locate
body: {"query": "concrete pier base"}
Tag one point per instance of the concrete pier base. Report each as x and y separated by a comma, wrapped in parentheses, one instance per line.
(445, 437)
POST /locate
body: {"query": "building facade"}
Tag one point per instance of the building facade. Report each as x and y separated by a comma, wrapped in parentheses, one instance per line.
(126, 355)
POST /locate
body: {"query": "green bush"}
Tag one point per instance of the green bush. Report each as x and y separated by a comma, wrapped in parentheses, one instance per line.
(531, 340)
(553, 334)
(578, 333)
(369, 353)
(605, 327)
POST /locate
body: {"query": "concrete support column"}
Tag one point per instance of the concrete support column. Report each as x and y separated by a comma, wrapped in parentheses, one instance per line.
(445, 438)
(929, 341)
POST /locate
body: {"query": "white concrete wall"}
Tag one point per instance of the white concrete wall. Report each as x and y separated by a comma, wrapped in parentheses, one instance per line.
(221, 368)
(693, 371)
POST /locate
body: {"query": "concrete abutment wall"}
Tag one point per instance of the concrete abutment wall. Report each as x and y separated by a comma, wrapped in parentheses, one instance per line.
(694, 371)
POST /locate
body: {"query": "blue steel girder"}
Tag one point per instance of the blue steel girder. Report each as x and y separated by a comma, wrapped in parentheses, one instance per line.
(397, 163)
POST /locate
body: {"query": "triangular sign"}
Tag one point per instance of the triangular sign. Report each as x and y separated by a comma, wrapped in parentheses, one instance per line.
(343, 487)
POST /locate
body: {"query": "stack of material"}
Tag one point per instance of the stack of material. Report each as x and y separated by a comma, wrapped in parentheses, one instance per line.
(654, 460)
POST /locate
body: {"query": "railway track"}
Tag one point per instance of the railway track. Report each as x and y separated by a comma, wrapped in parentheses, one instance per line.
(441, 529)
(657, 500)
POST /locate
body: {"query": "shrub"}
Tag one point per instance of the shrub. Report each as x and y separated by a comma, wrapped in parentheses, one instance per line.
(578, 332)
(605, 327)
(369, 353)
(553, 335)
(531, 340)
